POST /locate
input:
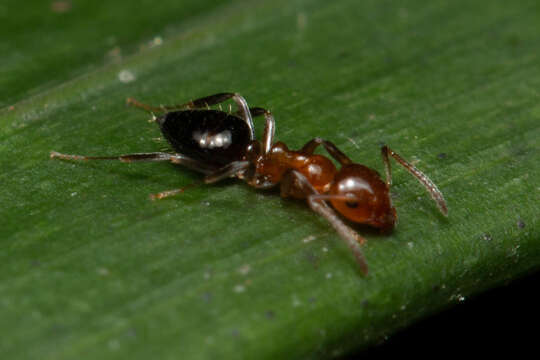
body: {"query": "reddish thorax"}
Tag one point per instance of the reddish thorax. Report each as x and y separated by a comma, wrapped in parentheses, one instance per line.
(370, 201)
(318, 169)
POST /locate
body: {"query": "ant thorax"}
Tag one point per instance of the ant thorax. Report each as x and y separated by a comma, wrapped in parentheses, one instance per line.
(270, 168)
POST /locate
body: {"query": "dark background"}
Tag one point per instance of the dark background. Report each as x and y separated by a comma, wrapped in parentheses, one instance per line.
(504, 319)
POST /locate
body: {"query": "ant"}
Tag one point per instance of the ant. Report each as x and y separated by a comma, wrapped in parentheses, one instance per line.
(222, 144)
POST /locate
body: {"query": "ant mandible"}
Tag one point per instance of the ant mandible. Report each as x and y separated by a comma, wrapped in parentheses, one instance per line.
(222, 144)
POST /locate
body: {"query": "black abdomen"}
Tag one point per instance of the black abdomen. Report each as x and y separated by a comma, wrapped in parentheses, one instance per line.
(210, 136)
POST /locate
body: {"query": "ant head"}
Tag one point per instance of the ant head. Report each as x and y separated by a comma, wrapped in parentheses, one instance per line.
(359, 194)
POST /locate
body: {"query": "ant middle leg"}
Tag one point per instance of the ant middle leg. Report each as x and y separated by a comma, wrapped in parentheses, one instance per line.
(296, 185)
(169, 193)
(225, 172)
(332, 149)
(430, 186)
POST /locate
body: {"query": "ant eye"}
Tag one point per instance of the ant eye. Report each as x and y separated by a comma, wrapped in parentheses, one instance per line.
(352, 202)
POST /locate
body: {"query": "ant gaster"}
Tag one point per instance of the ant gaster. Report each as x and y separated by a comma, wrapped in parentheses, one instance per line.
(222, 144)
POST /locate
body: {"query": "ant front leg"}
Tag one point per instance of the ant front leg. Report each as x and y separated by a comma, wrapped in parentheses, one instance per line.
(430, 186)
(332, 149)
(294, 184)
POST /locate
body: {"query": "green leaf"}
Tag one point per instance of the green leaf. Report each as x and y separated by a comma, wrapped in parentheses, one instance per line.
(92, 269)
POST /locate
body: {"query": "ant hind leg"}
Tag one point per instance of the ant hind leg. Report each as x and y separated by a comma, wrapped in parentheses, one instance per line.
(154, 156)
(201, 103)
(140, 157)
(194, 104)
(144, 157)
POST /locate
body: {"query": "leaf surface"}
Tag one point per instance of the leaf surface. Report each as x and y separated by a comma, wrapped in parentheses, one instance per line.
(92, 269)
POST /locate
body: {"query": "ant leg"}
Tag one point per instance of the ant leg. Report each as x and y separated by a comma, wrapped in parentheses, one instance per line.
(269, 128)
(168, 193)
(226, 171)
(269, 131)
(332, 149)
(148, 108)
(254, 111)
(195, 104)
(202, 103)
(295, 184)
(155, 156)
(243, 109)
(174, 158)
(215, 176)
(435, 193)
(127, 158)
